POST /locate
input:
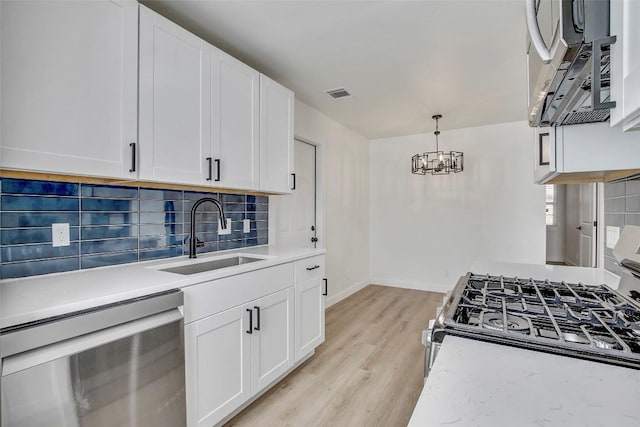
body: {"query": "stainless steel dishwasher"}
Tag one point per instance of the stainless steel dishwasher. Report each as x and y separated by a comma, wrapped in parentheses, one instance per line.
(121, 364)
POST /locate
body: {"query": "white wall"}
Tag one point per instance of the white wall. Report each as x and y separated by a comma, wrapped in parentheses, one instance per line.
(425, 231)
(343, 169)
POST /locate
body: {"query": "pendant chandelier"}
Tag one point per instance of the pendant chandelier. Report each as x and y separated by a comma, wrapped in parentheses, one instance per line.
(437, 162)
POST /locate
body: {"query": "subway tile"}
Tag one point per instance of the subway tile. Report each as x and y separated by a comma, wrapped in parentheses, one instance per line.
(108, 191)
(615, 205)
(160, 253)
(108, 232)
(38, 203)
(34, 268)
(633, 204)
(92, 261)
(234, 207)
(26, 186)
(615, 189)
(632, 219)
(232, 244)
(262, 225)
(263, 232)
(109, 205)
(109, 218)
(615, 220)
(232, 198)
(263, 240)
(251, 242)
(263, 200)
(633, 187)
(110, 245)
(235, 235)
(160, 205)
(157, 194)
(17, 236)
(36, 252)
(37, 219)
(150, 242)
(262, 216)
(208, 247)
(160, 229)
(161, 217)
(612, 265)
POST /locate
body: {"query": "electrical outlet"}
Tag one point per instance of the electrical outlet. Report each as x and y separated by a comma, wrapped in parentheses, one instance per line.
(60, 234)
(221, 231)
(246, 225)
(613, 234)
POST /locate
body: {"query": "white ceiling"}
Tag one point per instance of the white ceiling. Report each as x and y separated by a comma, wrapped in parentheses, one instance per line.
(402, 61)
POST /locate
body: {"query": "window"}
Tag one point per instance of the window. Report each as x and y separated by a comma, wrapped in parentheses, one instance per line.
(550, 204)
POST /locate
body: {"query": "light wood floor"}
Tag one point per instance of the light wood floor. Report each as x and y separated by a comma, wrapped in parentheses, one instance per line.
(368, 372)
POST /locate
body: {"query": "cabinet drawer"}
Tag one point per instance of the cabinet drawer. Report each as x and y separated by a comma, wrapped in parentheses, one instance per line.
(212, 297)
(309, 268)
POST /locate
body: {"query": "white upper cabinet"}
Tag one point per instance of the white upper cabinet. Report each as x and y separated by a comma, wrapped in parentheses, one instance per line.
(174, 102)
(235, 94)
(625, 63)
(276, 137)
(68, 78)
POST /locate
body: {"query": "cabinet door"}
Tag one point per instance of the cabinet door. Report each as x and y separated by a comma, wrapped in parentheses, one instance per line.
(272, 341)
(217, 366)
(235, 122)
(309, 313)
(174, 102)
(69, 84)
(631, 64)
(276, 136)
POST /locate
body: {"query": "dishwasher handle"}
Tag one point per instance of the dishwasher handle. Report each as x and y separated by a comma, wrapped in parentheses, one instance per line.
(76, 345)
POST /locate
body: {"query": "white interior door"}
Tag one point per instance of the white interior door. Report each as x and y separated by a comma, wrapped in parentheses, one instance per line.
(296, 212)
(587, 225)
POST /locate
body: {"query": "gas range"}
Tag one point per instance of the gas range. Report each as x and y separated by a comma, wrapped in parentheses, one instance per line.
(573, 319)
(588, 321)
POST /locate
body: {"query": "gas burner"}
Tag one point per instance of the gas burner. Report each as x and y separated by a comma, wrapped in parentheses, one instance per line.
(606, 342)
(576, 338)
(495, 321)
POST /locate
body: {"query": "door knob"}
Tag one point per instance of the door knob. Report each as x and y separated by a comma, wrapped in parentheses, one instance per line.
(579, 227)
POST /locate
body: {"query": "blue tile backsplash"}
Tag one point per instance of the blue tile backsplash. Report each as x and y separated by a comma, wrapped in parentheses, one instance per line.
(112, 225)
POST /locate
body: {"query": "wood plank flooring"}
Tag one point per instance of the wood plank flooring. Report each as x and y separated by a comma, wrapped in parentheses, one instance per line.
(368, 372)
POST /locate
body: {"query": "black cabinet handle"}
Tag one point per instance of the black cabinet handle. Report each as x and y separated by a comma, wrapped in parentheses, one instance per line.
(326, 287)
(294, 181)
(257, 328)
(250, 330)
(133, 157)
(210, 176)
(313, 268)
(217, 170)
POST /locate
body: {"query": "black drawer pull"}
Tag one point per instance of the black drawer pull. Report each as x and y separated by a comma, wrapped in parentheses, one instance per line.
(313, 268)
(257, 328)
(133, 157)
(210, 167)
(326, 287)
(294, 181)
(250, 330)
(217, 170)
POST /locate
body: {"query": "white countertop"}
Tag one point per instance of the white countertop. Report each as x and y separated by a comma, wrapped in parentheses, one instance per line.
(474, 383)
(588, 276)
(39, 297)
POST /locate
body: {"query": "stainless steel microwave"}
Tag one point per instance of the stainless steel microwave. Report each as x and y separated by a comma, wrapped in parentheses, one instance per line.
(568, 61)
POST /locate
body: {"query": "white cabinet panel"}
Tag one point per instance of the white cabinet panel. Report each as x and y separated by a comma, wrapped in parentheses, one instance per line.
(272, 343)
(276, 136)
(309, 316)
(631, 64)
(218, 366)
(174, 102)
(69, 89)
(235, 97)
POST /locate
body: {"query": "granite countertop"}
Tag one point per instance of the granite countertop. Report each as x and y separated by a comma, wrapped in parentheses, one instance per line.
(475, 383)
(39, 297)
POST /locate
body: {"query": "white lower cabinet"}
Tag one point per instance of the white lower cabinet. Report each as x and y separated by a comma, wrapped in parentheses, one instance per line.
(310, 303)
(234, 354)
(217, 366)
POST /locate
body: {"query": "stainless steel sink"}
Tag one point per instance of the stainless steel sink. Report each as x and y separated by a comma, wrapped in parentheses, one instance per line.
(215, 264)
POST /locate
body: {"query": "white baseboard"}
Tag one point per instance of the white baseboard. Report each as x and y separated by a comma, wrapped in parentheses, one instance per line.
(421, 286)
(332, 299)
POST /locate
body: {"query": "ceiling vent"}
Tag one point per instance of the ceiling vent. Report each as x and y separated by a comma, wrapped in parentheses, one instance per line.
(338, 93)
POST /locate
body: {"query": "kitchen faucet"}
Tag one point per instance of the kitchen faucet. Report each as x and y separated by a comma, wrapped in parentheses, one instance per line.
(193, 240)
